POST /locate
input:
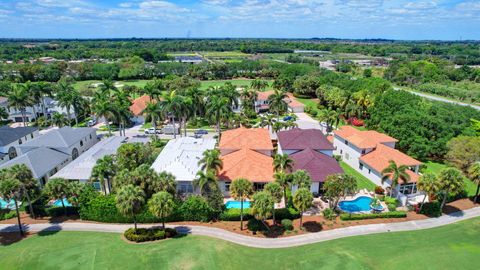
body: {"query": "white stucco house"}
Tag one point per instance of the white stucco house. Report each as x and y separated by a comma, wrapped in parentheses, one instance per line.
(12, 138)
(180, 157)
(369, 153)
(31, 113)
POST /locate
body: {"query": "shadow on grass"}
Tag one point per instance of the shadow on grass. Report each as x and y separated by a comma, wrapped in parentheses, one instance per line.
(10, 235)
(51, 230)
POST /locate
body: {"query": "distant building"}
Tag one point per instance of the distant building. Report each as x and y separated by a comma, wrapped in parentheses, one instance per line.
(189, 59)
(32, 113)
(137, 108)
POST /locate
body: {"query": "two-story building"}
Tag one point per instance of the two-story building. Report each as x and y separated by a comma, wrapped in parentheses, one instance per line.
(369, 153)
(12, 138)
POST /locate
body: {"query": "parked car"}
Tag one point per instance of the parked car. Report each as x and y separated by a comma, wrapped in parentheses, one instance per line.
(152, 131)
(201, 132)
(91, 123)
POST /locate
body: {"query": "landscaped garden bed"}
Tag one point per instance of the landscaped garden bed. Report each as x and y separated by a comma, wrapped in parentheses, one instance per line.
(148, 234)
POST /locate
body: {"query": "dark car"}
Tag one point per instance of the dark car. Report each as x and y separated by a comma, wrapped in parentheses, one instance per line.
(201, 132)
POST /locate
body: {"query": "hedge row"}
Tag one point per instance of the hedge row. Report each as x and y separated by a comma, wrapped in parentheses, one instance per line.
(393, 214)
(234, 214)
(7, 214)
(151, 234)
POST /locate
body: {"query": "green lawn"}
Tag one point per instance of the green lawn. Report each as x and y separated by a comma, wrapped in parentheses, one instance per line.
(435, 167)
(238, 83)
(362, 181)
(454, 246)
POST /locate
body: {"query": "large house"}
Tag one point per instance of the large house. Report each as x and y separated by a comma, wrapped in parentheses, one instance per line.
(180, 157)
(48, 153)
(310, 151)
(35, 111)
(81, 168)
(137, 108)
(11, 138)
(369, 153)
(261, 104)
(246, 153)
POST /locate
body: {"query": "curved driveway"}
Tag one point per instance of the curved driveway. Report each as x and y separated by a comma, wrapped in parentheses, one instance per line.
(257, 242)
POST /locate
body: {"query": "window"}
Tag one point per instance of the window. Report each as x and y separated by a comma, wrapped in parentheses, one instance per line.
(363, 151)
(12, 152)
(341, 151)
(346, 142)
(90, 136)
(81, 143)
(227, 186)
(19, 141)
(369, 171)
(185, 188)
(31, 136)
(74, 153)
(360, 165)
(407, 189)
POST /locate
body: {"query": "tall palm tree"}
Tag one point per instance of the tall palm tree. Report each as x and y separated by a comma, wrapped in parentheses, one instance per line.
(241, 189)
(130, 201)
(301, 179)
(450, 181)
(284, 181)
(276, 102)
(185, 112)
(170, 106)
(259, 85)
(197, 96)
(218, 108)
(29, 186)
(161, 205)
(59, 119)
(282, 163)
(104, 171)
(302, 200)
(103, 108)
(66, 97)
(121, 109)
(275, 190)
(211, 161)
(167, 182)
(154, 112)
(154, 89)
(262, 206)
(330, 117)
(364, 101)
(205, 181)
(19, 98)
(45, 90)
(474, 174)
(395, 174)
(11, 189)
(428, 184)
(57, 189)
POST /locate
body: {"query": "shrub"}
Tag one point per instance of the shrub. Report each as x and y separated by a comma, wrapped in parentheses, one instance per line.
(234, 214)
(196, 208)
(454, 197)
(57, 211)
(7, 214)
(432, 209)
(394, 214)
(391, 207)
(144, 235)
(169, 232)
(256, 225)
(314, 113)
(287, 213)
(390, 200)
(329, 214)
(287, 224)
(379, 190)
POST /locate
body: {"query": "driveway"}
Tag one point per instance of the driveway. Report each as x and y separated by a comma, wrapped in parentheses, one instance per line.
(304, 121)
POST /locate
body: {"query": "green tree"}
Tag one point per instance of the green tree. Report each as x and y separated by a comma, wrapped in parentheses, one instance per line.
(302, 200)
(132, 155)
(59, 119)
(161, 205)
(282, 163)
(429, 185)
(258, 85)
(262, 206)
(218, 109)
(104, 171)
(11, 189)
(338, 186)
(276, 102)
(395, 174)
(29, 185)
(241, 189)
(450, 182)
(284, 181)
(19, 98)
(275, 190)
(205, 181)
(57, 189)
(463, 151)
(474, 174)
(301, 179)
(153, 111)
(170, 106)
(131, 201)
(211, 161)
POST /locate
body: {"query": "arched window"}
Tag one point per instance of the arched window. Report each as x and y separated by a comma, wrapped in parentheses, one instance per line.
(12, 152)
(74, 153)
(81, 143)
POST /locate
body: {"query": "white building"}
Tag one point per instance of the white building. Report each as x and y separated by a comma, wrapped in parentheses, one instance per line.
(11, 138)
(180, 157)
(31, 113)
(369, 153)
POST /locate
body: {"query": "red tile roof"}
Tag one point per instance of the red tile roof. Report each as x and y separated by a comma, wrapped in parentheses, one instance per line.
(318, 165)
(363, 139)
(139, 105)
(247, 164)
(246, 138)
(264, 95)
(297, 139)
(293, 102)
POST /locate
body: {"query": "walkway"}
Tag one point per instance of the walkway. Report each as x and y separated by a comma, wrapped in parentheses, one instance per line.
(265, 242)
(304, 121)
(437, 98)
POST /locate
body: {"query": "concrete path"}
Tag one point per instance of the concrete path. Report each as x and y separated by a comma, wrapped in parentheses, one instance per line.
(437, 98)
(304, 121)
(291, 241)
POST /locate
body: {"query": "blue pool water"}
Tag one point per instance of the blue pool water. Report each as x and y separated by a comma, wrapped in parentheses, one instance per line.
(360, 204)
(4, 204)
(59, 203)
(236, 204)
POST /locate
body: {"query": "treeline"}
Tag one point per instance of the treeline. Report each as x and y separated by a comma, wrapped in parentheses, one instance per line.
(153, 50)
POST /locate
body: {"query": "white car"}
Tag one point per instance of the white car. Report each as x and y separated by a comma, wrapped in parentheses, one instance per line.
(152, 131)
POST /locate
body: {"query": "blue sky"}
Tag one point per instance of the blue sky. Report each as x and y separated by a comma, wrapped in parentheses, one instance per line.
(393, 19)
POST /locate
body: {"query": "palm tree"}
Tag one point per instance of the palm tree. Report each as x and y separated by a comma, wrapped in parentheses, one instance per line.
(330, 117)
(154, 89)
(57, 189)
(474, 174)
(258, 85)
(161, 205)
(29, 186)
(205, 181)
(59, 119)
(103, 107)
(211, 161)
(167, 182)
(19, 98)
(66, 97)
(302, 200)
(197, 96)
(171, 105)
(262, 206)
(428, 184)
(130, 201)
(284, 181)
(275, 190)
(154, 112)
(395, 174)
(11, 189)
(241, 189)
(450, 181)
(364, 101)
(104, 171)
(276, 102)
(282, 163)
(184, 112)
(301, 179)
(218, 108)
(44, 90)
(3, 113)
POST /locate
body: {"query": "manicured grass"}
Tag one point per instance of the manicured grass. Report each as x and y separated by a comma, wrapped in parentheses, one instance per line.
(362, 181)
(238, 83)
(454, 246)
(436, 168)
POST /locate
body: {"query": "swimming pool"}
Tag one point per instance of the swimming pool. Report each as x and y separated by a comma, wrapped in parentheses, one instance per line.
(360, 204)
(237, 204)
(59, 203)
(10, 205)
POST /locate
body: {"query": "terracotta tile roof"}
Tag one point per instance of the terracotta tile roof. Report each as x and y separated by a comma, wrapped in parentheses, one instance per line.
(293, 102)
(264, 95)
(318, 165)
(139, 105)
(379, 158)
(330, 138)
(363, 139)
(247, 164)
(246, 138)
(298, 139)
